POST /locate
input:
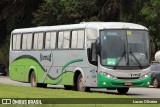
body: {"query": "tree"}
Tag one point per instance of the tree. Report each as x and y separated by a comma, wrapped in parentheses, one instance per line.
(65, 12)
(151, 19)
(14, 14)
(115, 10)
(27, 13)
(47, 13)
(17, 13)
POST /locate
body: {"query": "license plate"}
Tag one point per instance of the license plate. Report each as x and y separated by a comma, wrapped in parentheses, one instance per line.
(128, 83)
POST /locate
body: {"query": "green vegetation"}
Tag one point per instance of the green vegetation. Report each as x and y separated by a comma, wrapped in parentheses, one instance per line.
(28, 13)
(9, 91)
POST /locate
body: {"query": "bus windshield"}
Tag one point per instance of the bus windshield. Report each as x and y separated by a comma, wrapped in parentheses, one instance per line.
(124, 48)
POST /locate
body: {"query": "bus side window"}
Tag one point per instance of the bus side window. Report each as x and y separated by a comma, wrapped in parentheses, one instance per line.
(74, 40)
(53, 40)
(60, 40)
(14, 41)
(80, 43)
(18, 42)
(29, 41)
(48, 40)
(35, 40)
(40, 41)
(66, 40)
(24, 41)
(77, 39)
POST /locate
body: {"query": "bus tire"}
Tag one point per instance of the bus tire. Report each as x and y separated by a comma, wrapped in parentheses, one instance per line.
(33, 80)
(156, 83)
(79, 86)
(68, 87)
(122, 90)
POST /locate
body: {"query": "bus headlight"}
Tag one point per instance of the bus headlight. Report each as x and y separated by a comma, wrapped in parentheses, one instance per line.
(108, 75)
(146, 75)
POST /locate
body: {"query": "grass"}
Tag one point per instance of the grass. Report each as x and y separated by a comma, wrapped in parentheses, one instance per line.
(10, 91)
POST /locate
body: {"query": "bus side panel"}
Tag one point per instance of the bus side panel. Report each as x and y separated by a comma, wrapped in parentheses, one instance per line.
(19, 69)
(59, 70)
(16, 72)
(64, 67)
(68, 78)
(64, 79)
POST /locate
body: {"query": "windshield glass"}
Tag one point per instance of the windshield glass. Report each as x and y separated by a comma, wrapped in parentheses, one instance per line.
(124, 48)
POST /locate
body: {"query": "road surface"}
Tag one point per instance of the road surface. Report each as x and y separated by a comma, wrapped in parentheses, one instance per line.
(136, 92)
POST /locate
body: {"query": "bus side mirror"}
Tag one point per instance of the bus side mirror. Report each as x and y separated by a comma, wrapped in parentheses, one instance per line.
(98, 48)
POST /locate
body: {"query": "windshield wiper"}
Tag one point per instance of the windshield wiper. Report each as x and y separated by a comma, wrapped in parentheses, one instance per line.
(140, 65)
(119, 60)
(124, 53)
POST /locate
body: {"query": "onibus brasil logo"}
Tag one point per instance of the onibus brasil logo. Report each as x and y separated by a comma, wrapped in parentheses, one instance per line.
(21, 101)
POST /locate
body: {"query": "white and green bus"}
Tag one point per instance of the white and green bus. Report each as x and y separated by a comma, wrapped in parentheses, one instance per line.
(111, 55)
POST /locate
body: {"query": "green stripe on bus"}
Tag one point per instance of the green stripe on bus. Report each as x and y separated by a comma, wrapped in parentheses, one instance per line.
(25, 62)
(105, 82)
(73, 61)
(66, 65)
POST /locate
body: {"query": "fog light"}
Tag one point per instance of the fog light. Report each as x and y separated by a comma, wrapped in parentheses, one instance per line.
(104, 83)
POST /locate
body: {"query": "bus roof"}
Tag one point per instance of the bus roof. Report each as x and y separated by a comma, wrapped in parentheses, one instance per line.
(94, 25)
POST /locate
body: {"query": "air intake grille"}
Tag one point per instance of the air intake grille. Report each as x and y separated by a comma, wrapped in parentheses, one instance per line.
(125, 78)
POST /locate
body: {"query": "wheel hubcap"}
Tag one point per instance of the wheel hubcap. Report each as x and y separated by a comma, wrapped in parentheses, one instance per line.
(155, 83)
(81, 85)
(33, 80)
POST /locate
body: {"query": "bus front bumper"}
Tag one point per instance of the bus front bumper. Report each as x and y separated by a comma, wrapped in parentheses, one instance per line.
(105, 82)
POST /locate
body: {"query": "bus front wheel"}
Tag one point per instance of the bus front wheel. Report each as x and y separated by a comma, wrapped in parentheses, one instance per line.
(122, 90)
(80, 84)
(156, 83)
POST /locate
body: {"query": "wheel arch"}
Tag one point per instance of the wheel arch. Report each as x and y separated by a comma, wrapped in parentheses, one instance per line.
(77, 71)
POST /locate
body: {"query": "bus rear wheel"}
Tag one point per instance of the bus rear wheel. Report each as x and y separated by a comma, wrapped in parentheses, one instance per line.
(80, 84)
(122, 90)
(34, 82)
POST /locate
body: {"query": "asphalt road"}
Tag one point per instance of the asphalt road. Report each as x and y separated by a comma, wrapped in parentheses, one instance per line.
(136, 92)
